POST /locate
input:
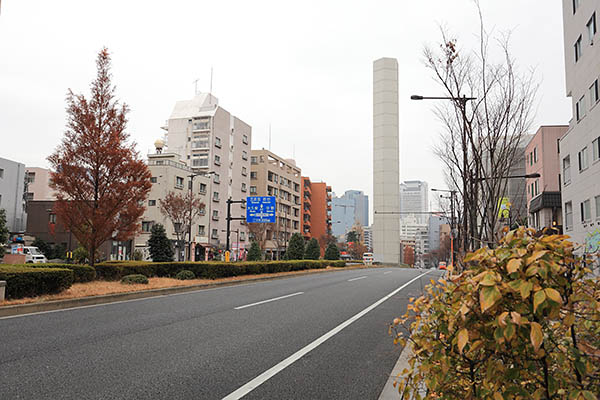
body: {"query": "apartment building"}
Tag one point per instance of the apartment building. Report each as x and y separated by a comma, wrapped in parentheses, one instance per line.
(580, 145)
(210, 139)
(543, 193)
(171, 174)
(38, 184)
(316, 209)
(271, 175)
(12, 194)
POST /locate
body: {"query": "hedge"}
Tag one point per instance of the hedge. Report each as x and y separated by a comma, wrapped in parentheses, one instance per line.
(81, 273)
(30, 282)
(207, 269)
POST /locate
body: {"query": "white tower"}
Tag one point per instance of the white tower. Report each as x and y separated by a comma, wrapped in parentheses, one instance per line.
(386, 162)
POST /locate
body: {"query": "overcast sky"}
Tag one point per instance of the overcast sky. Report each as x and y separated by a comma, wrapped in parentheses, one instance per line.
(303, 67)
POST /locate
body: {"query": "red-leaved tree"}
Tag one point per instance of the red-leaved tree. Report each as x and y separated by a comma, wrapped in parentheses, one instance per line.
(100, 180)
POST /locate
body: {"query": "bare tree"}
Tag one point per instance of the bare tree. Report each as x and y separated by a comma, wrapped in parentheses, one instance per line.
(258, 231)
(484, 127)
(182, 210)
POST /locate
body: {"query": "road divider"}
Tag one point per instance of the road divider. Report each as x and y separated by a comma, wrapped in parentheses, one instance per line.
(355, 279)
(268, 374)
(268, 301)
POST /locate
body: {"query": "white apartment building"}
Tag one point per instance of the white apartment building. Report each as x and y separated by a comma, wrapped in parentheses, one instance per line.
(212, 140)
(12, 194)
(580, 146)
(38, 184)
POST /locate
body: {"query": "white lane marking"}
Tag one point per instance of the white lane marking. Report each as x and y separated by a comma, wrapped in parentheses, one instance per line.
(389, 272)
(271, 372)
(268, 301)
(355, 279)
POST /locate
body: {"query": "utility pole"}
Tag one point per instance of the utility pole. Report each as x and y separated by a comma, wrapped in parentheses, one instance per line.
(230, 218)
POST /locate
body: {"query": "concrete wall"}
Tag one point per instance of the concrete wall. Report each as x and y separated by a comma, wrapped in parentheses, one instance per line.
(386, 161)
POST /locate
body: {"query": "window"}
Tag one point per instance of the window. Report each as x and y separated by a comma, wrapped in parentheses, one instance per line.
(201, 124)
(535, 159)
(215, 215)
(597, 200)
(217, 159)
(215, 196)
(576, 5)
(583, 159)
(569, 215)
(244, 155)
(594, 93)
(200, 143)
(217, 142)
(200, 160)
(153, 179)
(586, 212)
(52, 218)
(30, 177)
(151, 203)
(217, 178)
(254, 160)
(28, 196)
(596, 149)
(244, 171)
(1, 173)
(215, 234)
(243, 187)
(179, 182)
(245, 139)
(567, 170)
(201, 230)
(242, 236)
(591, 28)
(252, 189)
(577, 46)
(146, 226)
(253, 175)
(580, 108)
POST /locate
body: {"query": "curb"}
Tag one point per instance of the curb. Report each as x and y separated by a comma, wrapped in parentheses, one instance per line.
(29, 308)
(390, 392)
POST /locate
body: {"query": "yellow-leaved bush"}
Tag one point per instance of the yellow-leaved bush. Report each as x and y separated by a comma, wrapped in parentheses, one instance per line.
(522, 321)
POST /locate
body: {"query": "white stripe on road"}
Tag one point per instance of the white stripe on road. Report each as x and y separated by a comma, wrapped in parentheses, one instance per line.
(355, 279)
(389, 272)
(268, 301)
(268, 374)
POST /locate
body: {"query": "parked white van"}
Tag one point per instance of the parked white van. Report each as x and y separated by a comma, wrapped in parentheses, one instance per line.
(33, 255)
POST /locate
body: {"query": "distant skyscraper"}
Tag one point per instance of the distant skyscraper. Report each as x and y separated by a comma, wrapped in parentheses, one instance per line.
(351, 207)
(386, 162)
(414, 198)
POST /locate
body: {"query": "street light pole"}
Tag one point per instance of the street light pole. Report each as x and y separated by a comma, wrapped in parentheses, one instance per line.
(191, 187)
(452, 226)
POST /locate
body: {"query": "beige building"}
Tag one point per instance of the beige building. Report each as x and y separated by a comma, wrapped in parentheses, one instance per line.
(211, 140)
(170, 174)
(272, 175)
(38, 180)
(580, 145)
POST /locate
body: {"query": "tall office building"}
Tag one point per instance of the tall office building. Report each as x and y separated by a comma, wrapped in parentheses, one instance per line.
(414, 198)
(580, 145)
(386, 162)
(350, 208)
(12, 194)
(210, 139)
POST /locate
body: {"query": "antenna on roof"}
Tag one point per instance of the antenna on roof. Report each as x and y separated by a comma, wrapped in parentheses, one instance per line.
(211, 78)
(195, 86)
(269, 137)
(294, 153)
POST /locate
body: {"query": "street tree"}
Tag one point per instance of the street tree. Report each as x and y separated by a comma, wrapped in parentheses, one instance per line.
(258, 233)
(295, 250)
(160, 245)
(332, 252)
(312, 251)
(255, 252)
(181, 210)
(409, 255)
(351, 236)
(100, 180)
(3, 228)
(483, 126)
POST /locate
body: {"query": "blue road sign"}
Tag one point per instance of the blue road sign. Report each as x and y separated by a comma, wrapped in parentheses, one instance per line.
(260, 209)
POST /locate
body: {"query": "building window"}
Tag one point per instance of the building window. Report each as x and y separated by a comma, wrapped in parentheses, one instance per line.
(215, 233)
(254, 160)
(577, 46)
(146, 226)
(596, 149)
(201, 230)
(30, 177)
(1, 173)
(153, 179)
(200, 160)
(567, 170)
(253, 175)
(52, 218)
(179, 182)
(151, 203)
(201, 124)
(217, 142)
(576, 5)
(536, 188)
(583, 159)
(594, 93)
(217, 178)
(215, 215)
(252, 189)
(244, 171)
(200, 143)
(244, 155)
(242, 236)
(586, 211)
(580, 108)
(597, 200)
(245, 139)
(217, 159)
(568, 215)
(215, 196)
(243, 187)
(591, 28)
(203, 188)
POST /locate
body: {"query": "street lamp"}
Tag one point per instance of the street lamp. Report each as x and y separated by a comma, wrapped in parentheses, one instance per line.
(485, 178)
(452, 226)
(462, 101)
(192, 176)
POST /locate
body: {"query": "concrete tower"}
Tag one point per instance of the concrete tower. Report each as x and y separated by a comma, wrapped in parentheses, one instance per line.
(386, 162)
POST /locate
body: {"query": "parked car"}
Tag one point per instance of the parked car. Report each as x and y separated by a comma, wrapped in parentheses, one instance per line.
(33, 255)
(368, 258)
(442, 265)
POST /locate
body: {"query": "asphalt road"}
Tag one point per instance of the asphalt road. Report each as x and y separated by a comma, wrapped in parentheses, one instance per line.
(321, 336)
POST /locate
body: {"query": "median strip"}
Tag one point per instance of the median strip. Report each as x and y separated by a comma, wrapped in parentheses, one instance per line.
(355, 279)
(268, 374)
(268, 301)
